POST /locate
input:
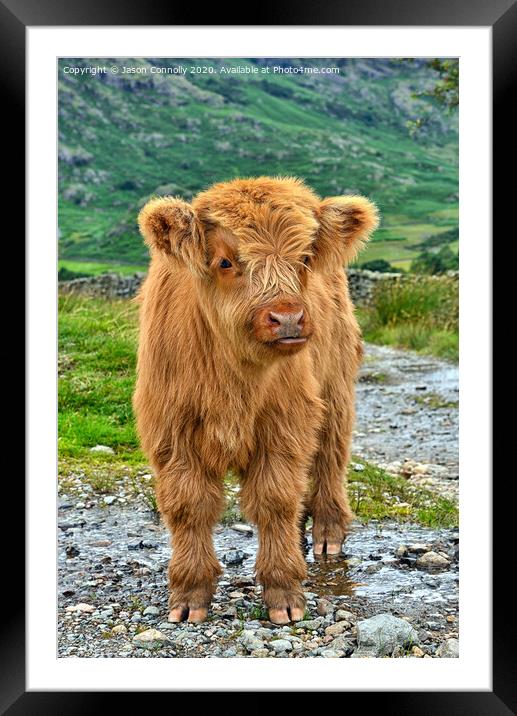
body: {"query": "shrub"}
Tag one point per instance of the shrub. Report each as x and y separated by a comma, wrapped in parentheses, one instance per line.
(435, 263)
(380, 265)
(65, 274)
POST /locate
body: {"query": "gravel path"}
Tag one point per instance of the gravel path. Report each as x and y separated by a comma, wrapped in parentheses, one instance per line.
(407, 417)
(394, 592)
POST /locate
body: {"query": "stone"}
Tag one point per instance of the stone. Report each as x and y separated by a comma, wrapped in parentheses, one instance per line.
(81, 608)
(109, 499)
(382, 634)
(323, 607)
(150, 639)
(311, 624)
(450, 649)
(103, 448)
(234, 557)
(342, 615)
(250, 641)
(419, 548)
(417, 651)
(281, 645)
(431, 561)
(243, 529)
(119, 629)
(151, 611)
(337, 628)
(331, 653)
(342, 643)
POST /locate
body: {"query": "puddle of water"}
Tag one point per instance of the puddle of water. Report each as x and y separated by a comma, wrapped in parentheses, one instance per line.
(368, 567)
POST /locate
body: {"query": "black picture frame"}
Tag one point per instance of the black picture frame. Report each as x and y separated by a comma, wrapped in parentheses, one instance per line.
(501, 16)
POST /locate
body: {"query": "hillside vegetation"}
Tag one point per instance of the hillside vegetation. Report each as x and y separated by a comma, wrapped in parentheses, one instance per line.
(123, 138)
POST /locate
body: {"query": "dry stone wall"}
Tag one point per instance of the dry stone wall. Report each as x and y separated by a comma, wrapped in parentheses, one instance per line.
(112, 285)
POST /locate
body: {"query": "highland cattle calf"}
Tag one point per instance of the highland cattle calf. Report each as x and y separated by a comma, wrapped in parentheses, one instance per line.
(248, 355)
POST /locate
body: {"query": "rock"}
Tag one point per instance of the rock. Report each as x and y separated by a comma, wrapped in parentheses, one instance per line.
(323, 607)
(343, 643)
(81, 608)
(311, 624)
(431, 561)
(381, 634)
(103, 448)
(353, 561)
(337, 628)
(281, 645)
(401, 551)
(250, 641)
(417, 651)
(450, 649)
(150, 639)
(234, 557)
(72, 551)
(331, 654)
(343, 616)
(243, 529)
(119, 629)
(230, 612)
(151, 611)
(419, 548)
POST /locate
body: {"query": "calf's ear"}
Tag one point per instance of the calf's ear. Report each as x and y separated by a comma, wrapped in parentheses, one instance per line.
(345, 224)
(171, 225)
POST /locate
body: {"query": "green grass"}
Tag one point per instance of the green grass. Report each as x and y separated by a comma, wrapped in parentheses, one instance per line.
(95, 269)
(420, 313)
(97, 347)
(375, 494)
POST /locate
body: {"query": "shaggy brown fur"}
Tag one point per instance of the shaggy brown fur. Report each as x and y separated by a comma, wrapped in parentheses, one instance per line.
(248, 355)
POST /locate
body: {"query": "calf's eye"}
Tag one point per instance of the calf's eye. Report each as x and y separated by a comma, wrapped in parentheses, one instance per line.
(224, 264)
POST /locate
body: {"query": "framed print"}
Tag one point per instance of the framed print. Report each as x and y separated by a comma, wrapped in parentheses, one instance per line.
(217, 173)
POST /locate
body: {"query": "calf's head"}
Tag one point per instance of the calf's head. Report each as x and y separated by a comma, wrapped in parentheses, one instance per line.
(254, 247)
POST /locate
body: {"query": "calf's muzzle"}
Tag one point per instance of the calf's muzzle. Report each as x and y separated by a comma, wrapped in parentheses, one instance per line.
(283, 323)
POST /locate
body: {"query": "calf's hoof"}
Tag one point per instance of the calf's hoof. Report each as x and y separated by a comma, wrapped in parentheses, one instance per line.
(191, 606)
(328, 535)
(284, 605)
(182, 613)
(330, 549)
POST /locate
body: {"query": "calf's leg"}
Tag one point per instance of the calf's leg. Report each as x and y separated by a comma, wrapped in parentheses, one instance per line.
(271, 497)
(190, 501)
(328, 500)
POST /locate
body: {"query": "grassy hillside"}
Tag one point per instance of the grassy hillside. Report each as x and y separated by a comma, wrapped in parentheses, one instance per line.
(123, 138)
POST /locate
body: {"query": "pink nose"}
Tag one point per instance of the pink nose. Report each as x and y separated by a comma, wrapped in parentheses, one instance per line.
(286, 325)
